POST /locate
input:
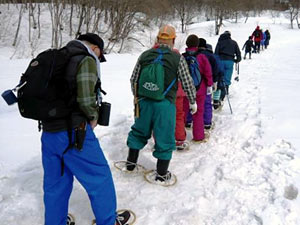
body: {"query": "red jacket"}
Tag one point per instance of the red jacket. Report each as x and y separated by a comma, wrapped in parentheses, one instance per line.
(260, 37)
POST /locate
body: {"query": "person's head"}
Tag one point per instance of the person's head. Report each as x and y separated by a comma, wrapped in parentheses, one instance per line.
(95, 43)
(192, 41)
(202, 43)
(166, 35)
(250, 37)
(227, 32)
(209, 48)
(257, 28)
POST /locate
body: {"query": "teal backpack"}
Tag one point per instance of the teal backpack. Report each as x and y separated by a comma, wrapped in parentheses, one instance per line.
(151, 82)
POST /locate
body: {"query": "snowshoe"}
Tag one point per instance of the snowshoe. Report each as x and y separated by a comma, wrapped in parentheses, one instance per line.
(182, 145)
(122, 166)
(203, 140)
(166, 180)
(70, 219)
(124, 217)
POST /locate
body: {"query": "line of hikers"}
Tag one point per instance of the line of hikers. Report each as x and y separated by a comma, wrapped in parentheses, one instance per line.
(172, 91)
(261, 41)
(185, 102)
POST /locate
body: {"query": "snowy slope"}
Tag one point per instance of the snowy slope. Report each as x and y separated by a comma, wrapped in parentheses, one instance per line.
(245, 174)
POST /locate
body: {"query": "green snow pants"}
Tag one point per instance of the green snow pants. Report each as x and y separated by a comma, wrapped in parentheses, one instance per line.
(159, 117)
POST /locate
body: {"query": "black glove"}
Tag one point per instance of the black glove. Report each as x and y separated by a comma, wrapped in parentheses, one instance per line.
(237, 79)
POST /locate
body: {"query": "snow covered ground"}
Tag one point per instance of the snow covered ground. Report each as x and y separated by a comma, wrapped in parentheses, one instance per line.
(248, 172)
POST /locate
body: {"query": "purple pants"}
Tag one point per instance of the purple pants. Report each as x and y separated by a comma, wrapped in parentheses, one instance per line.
(207, 110)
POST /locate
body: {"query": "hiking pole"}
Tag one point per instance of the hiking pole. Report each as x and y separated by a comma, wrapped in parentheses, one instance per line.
(237, 68)
(227, 97)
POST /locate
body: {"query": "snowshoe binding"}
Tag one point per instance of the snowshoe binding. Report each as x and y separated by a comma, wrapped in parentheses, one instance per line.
(70, 219)
(123, 165)
(124, 217)
(166, 180)
(182, 145)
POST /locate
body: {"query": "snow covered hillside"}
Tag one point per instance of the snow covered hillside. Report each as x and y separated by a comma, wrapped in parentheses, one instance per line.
(248, 172)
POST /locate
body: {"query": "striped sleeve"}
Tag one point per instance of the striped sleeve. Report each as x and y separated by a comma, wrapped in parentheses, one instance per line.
(186, 80)
(135, 75)
(86, 81)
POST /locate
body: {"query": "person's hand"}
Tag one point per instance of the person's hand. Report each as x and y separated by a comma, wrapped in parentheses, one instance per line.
(209, 90)
(93, 123)
(237, 79)
(215, 86)
(193, 108)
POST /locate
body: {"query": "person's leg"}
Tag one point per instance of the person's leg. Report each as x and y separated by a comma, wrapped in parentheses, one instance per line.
(180, 133)
(57, 187)
(207, 117)
(198, 127)
(228, 66)
(90, 167)
(142, 127)
(187, 113)
(164, 129)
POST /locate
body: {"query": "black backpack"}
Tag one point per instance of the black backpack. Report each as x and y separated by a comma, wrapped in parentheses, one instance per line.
(43, 92)
(257, 33)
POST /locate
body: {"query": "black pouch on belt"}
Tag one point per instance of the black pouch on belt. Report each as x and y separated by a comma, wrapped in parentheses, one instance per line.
(80, 132)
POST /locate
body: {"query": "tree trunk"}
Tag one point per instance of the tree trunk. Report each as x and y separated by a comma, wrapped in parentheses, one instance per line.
(39, 24)
(19, 24)
(71, 17)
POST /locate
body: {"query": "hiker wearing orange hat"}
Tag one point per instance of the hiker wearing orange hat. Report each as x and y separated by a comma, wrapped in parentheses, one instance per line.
(154, 84)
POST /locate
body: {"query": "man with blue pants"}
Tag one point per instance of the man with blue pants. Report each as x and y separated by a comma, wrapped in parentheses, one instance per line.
(70, 148)
(229, 53)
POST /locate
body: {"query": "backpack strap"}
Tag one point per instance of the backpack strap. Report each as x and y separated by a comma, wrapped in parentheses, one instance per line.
(159, 60)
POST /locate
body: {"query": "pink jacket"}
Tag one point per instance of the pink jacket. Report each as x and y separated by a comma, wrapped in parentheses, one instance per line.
(206, 73)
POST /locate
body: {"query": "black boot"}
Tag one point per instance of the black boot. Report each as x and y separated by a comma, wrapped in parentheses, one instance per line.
(162, 170)
(132, 158)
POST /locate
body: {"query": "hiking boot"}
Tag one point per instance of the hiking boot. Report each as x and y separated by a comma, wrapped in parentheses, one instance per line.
(162, 170)
(182, 145)
(163, 178)
(70, 219)
(188, 125)
(122, 218)
(216, 104)
(207, 126)
(132, 158)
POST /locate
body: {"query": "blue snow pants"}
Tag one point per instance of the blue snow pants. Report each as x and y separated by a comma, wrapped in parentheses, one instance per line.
(228, 70)
(90, 168)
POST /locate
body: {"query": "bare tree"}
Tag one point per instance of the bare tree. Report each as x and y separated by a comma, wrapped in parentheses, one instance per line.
(56, 11)
(21, 10)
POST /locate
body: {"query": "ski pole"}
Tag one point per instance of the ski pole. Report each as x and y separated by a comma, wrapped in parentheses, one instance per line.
(227, 98)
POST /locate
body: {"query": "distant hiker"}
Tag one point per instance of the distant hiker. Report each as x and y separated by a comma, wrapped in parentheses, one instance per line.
(202, 48)
(192, 43)
(229, 53)
(83, 158)
(262, 42)
(155, 105)
(268, 37)
(257, 36)
(248, 46)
